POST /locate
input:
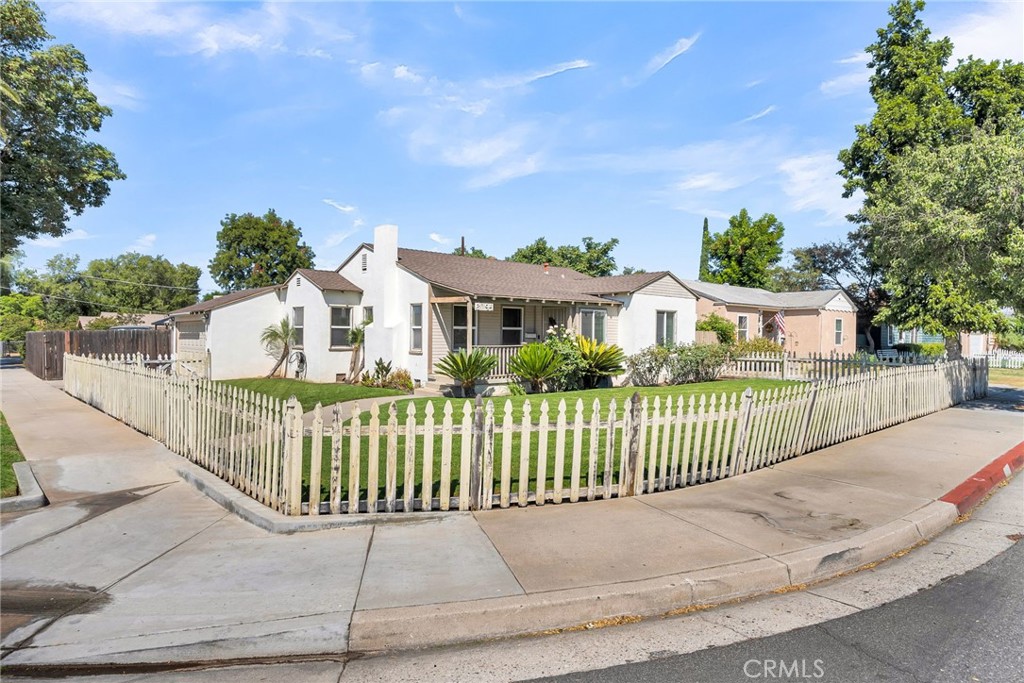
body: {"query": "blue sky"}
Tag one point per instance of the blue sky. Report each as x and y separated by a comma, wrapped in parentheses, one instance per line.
(500, 122)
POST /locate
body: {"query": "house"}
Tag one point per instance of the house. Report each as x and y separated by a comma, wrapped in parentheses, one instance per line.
(822, 321)
(971, 343)
(420, 305)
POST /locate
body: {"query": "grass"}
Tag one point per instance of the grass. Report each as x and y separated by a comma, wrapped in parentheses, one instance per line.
(1013, 378)
(605, 395)
(309, 393)
(9, 454)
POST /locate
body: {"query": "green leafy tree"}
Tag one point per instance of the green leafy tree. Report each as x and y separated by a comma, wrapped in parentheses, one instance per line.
(49, 167)
(65, 293)
(22, 304)
(15, 327)
(949, 230)
(472, 252)
(725, 329)
(705, 242)
(257, 251)
(745, 252)
(630, 270)
(800, 276)
(138, 282)
(592, 258)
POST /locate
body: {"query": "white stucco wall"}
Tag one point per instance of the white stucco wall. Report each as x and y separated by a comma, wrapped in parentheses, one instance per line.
(638, 319)
(390, 290)
(233, 337)
(323, 363)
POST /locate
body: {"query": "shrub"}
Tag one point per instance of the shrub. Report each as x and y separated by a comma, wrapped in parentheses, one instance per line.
(534, 363)
(571, 368)
(755, 345)
(909, 348)
(1012, 341)
(725, 329)
(600, 360)
(933, 349)
(646, 367)
(467, 368)
(383, 377)
(697, 363)
(516, 389)
(14, 327)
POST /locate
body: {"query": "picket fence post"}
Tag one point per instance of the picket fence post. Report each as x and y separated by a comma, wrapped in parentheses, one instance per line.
(633, 439)
(476, 462)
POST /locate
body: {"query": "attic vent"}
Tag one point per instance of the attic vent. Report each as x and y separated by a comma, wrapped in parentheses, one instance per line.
(298, 282)
(364, 263)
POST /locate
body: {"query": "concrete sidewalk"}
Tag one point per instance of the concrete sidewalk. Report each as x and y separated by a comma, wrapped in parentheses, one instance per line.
(132, 565)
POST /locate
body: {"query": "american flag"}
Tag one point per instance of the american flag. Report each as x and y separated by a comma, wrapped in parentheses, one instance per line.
(779, 320)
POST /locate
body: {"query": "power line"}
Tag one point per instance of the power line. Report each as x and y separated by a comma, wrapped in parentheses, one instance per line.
(84, 301)
(140, 284)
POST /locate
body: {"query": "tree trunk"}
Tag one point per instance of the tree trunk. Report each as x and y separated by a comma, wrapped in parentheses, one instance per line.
(355, 365)
(953, 349)
(280, 360)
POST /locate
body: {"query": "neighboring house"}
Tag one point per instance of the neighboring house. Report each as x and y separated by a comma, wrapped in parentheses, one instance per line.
(147, 319)
(971, 343)
(822, 321)
(420, 305)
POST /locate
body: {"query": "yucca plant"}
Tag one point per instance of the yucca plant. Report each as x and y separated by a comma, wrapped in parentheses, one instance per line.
(467, 368)
(534, 363)
(600, 360)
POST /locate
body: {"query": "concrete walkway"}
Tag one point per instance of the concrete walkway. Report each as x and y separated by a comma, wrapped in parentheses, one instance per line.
(132, 565)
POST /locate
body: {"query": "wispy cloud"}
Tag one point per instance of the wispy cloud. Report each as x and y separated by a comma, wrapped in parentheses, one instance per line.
(811, 183)
(335, 238)
(116, 94)
(665, 57)
(847, 84)
(519, 80)
(993, 31)
(712, 182)
(754, 83)
(55, 242)
(761, 114)
(438, 238)
(143, 244)
(404, 73)
(344, 208)
(858, 58)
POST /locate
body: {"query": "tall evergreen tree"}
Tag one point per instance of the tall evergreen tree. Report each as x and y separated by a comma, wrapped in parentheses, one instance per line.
(705, 242)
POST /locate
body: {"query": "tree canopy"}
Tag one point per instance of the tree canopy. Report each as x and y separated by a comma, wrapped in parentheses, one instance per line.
(472, 252)
(257, 251)
(49, 167)
(138, 282)
(593, 258)
(746, 251)
(704, 272)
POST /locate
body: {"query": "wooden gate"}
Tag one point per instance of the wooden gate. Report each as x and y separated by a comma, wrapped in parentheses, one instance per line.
(44, 354)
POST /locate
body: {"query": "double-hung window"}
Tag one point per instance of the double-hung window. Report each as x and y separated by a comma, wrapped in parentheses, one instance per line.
(511, 326)
(839, 331)
(298, 324)
(665, 332)
(341, 325)
(416, 328)
(593, 323)
(742, 327)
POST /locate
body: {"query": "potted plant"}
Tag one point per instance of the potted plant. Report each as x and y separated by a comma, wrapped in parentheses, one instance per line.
(467, 368)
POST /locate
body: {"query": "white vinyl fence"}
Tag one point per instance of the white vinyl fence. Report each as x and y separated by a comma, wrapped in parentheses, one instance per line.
(465, 455)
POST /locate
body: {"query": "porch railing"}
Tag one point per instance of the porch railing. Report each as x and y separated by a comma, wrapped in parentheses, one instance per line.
(504, 354)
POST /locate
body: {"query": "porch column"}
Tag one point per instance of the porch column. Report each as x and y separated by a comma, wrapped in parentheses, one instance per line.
(469, 324)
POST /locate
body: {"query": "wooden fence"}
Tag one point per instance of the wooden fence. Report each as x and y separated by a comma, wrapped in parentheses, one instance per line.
(471, 456)
(44, 354)
(44, 351)
(813, 366)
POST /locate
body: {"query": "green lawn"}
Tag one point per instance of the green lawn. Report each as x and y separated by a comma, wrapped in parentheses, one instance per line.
(1012, 378)
(605, 395)
(309, 393)
(9, 454)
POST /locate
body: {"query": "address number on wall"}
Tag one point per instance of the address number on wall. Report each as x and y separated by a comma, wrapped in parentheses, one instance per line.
(483, 307)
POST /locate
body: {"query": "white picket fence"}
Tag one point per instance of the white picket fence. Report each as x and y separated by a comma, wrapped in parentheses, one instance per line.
(1009, 360)
(471, 455)
(813, 366)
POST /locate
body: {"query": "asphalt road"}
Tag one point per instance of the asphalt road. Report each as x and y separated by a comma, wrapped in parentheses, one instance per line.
(969, 629)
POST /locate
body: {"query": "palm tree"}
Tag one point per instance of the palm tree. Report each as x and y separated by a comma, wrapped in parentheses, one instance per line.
(278, 338)
(356, 338)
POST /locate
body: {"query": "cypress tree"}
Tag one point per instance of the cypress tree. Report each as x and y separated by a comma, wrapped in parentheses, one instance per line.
(705, 241)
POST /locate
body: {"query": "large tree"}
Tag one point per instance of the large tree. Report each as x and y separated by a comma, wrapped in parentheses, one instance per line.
(65, 293)
(138, 282)
(593, 257)
(949, 229)
(472, 252)
(256, 251)
(49, 167)
(745, 252)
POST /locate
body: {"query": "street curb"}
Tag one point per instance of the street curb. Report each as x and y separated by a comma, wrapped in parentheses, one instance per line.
(31, 496)
(968, 494)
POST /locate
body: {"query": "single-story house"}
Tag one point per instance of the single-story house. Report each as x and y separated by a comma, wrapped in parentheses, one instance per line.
(971, 343)
(820, 322)
(420, 305)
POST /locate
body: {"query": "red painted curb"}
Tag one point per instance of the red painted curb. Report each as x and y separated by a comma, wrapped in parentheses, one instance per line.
(968, 494)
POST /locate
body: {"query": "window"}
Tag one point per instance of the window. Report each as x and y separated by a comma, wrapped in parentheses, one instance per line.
(460, 327)
(416, 327)
(367, 315)
(593, 324)
(742, 327)
(297, 323)
(511, 326)
(341, 325)
(665, 333)
(839, 331)
(364, 263)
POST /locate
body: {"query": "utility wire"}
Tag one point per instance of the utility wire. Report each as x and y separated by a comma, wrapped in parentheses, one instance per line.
(140, 284)
(84, 301)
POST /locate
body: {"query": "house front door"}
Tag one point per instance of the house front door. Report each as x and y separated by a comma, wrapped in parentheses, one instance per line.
(554, 316)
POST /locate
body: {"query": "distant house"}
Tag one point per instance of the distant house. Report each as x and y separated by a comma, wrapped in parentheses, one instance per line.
(143, 319)
(420, 305)
(822, 321)
(971, 343)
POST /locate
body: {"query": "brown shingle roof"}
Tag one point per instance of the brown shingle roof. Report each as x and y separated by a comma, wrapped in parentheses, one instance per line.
(490, 277)
(223, 300)
(615, 284)
(328, 280)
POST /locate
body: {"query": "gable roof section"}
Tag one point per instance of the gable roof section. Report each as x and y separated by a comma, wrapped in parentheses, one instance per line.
(223, 300)
(622, 284)
(762, 298)
(327, 280)
(494, 278)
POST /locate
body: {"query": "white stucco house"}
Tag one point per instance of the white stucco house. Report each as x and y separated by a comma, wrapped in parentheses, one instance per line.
(419, 305)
